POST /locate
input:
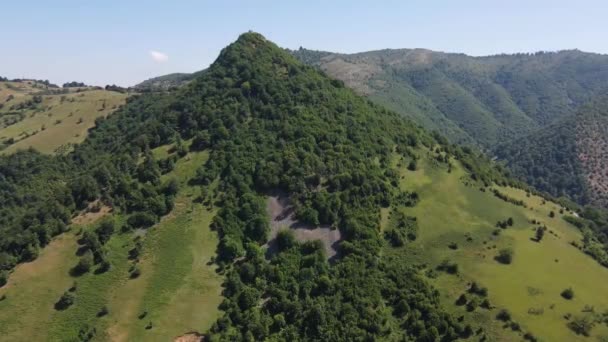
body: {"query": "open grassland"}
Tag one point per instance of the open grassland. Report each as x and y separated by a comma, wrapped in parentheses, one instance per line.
(177, 280)
(454, 213)
(56, 122)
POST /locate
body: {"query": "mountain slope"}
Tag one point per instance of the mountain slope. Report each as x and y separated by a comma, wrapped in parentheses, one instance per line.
(568, 158)
(50, 119)
(173, 171)
(490, 99)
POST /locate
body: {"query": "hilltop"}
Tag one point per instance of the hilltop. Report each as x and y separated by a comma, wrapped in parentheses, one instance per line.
(48, 118)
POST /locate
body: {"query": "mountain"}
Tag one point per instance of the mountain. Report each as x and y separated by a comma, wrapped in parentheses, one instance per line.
(263, 200)
(567, 158)
(486, 100)
(165, 82)
(492, 102)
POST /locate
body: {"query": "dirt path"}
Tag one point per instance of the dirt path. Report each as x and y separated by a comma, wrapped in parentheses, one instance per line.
(282, 217)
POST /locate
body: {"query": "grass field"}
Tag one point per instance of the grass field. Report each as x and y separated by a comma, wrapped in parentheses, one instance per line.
(176, 280)
(452, 212)
(57, 121)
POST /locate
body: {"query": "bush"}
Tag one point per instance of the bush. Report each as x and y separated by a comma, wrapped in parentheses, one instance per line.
(505, 256)
(84, 264)
(285, 239)
(448, 267)
(568, 293)
(105, 230)
(582, 325)
(462, 300)
(134, 272)
(503, 315)
(3, 278)
(413, 165)
(478, 290)
(141, 220)
(104, 311)
(66, 300)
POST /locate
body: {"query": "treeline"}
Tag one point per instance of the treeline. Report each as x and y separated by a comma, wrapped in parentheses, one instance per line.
(73, 84)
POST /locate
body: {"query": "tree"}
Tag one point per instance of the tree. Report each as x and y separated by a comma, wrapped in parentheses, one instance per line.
(201, 141)
(103, 311)
(413, 165)
(505, 256)
(551, 214)
(84, 264)
(3, 278)
(65, 301)
(105, 230)
(568, 293)
(540, 233)
(503, 315)
(285, 239)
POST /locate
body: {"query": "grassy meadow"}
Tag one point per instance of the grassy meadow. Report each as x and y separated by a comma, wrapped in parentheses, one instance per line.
(177, 280)
(456, 223)
(55, 123)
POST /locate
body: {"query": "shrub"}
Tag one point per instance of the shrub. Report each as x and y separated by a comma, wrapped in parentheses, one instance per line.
(462, 300)
(505, 256)
(134, 272)
(582, 325)
(84, 264)
(3, 278)
(478, 290)
(103, 311)
(66, 300)
(285, 239)
(413, 165)
(105, 230)
(540, 233)
(141, 220)
(568, 293)
(503, 315)
(448, 267)
(472, 304)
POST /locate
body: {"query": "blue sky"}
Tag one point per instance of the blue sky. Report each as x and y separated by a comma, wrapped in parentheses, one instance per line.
(111, 41)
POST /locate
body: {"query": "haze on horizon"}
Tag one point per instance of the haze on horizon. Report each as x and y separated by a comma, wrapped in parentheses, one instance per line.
(125, 43)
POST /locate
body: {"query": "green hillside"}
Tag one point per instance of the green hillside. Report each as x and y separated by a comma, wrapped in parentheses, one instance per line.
(263, 200)
(486, 99)
(567, 158)
(461, 228)
(50, 120)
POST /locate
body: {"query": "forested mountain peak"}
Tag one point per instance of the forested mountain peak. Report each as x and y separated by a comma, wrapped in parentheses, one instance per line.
(264, 200)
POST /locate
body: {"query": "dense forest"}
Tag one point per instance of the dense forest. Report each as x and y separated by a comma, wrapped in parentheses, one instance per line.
(568, 158)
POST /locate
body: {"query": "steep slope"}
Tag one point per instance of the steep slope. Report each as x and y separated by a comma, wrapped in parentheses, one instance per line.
(490, 99)
(568, 158)
(179, 170)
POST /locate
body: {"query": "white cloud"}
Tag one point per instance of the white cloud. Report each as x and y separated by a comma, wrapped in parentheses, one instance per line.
(159, 56)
